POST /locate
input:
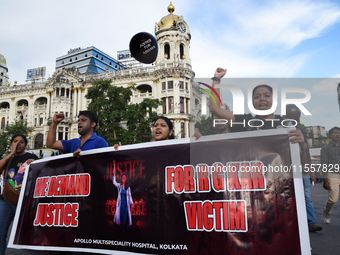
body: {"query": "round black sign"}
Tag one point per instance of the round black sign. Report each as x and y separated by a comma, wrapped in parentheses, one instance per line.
(144, 47)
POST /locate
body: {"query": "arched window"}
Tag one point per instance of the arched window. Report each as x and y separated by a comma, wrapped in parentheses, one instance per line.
(181, 104)
(4, 105)
(3, 122)
(41, 119)
(167, 51)
(182, 130)
(171, 105)
(181, 51)
(38, 141)
(164, 105)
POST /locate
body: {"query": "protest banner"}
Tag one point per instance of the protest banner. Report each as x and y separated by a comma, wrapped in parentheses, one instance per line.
(223, 194)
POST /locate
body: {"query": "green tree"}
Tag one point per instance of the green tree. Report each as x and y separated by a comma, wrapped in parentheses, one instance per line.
(303, 130)
(205, 126)
(119, 120)
(18, 127)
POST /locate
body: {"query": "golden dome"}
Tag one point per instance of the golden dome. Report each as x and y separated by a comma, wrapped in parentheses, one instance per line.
(168, 21)
(3, 60)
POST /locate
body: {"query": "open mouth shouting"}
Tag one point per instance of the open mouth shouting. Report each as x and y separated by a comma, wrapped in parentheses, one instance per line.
(263, 106)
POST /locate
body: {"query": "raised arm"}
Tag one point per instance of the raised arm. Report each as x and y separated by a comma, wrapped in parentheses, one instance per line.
(117, 184)
(51, 139)
(216, 109)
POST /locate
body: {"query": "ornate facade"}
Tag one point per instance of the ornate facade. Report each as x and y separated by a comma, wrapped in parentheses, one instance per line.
(3, 71)
(170, 79)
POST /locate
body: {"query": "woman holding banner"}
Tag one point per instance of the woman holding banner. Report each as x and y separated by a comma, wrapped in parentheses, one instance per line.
(13, 160)
(262, 100)
(276, 199)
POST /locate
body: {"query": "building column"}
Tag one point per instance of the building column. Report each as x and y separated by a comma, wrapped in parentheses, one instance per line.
(177, 127)
(83, 105)
(188, 108)
(166, 105)
(48, 106)
(30, 111)
(12, 111)
(79, 101)
(75, 102)
(187, 123)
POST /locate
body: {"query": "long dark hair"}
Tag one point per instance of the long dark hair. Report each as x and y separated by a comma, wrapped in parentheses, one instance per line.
(168, 122)
(126, 182)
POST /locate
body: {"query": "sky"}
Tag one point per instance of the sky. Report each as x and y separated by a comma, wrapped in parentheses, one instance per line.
(252, 39)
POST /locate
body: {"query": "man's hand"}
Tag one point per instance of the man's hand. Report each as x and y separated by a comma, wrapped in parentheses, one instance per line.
(220, 72)
(326, 184)
(77, 153)
(58, 117)
(117, 145)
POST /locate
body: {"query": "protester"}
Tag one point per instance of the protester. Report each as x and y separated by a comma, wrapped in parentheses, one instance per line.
(330, 160)
(88, 139)
(293, 112)
(262, 100)
(124, 201)
(162, 129)
(15, 159)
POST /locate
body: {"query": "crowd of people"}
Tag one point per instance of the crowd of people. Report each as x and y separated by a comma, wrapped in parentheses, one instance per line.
(162, 129)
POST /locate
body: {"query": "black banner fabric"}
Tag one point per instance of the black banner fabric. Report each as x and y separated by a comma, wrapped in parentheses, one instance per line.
(178, 198)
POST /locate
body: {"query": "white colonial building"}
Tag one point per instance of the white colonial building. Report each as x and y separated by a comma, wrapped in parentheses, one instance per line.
(170, 79)
(3, 71)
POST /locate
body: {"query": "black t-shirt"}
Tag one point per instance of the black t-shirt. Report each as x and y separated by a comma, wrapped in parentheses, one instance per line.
(17, 161)
(256, 123)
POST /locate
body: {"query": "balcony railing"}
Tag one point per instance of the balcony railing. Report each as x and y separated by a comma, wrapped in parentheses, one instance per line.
(21, 108)
(4, 110)
(40, 106)
(22, 87)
